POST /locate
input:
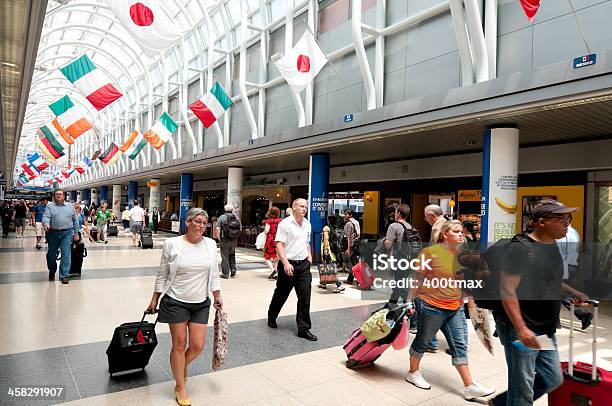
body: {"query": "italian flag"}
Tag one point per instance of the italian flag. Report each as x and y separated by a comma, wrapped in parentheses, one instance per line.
(69, 117)
(91, 82)
(110, 156)
(212, 105)
(37, 162)
(161, 131)
(133, 145)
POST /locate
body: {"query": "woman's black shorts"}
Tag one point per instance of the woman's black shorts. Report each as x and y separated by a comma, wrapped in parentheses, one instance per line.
(175, 311)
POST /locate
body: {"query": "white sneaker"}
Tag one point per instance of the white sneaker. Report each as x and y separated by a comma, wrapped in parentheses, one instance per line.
(416, 378)
(476, 391)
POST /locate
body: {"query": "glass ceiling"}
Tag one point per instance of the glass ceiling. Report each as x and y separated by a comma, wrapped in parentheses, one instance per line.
(72, 28)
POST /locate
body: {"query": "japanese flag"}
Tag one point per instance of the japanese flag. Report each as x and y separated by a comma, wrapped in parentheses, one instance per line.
(302, 63)
(147, 23)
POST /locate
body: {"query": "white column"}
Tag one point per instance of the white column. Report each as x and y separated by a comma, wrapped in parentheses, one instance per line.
(154, 193)
(95, 196)
(234, 189)
(79, 196)
(116, 200)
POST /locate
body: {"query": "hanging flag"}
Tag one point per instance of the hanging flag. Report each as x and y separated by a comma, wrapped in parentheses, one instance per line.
(79, 167)
(212, 105)
(50, 144)
(91, 82)
(110, 156)
(37, 162)
(87, 162)
(50, 132)
(145, 21)
(531, 8)
(69, 117)
(58, 179)
(27, 169)
(302, 63)
(66, 173)
(161, 131)
(133, 145)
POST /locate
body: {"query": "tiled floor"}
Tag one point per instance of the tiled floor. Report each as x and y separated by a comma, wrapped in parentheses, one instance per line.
(53, 334)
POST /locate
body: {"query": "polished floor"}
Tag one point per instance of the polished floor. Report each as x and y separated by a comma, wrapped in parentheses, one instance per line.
(56, 335)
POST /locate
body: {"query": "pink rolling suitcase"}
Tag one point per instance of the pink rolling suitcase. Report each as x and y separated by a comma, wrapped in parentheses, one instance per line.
(360, 352)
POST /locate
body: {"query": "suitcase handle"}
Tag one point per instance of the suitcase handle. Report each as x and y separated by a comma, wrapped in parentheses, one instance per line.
(142, 320)
(570, 368)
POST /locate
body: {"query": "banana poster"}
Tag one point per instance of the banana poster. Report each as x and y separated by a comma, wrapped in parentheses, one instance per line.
(500, 176)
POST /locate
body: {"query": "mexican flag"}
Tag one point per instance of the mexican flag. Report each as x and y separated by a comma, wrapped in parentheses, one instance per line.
(69, 117)
(91, 82)
(110, 156)
(133, 145)
(212, 105)
(37, 162)
(161, 131)
(147, 24)
(49, 145)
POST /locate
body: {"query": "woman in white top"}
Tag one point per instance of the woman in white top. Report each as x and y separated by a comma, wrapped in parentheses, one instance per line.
(188, 272)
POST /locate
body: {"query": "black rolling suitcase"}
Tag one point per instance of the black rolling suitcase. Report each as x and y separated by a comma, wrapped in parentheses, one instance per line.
(132, 346)
(93, 232)
(78, 252)
(113, 231)
(146, 238)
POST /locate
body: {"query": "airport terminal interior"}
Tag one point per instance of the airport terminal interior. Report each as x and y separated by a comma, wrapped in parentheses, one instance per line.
(135, 113)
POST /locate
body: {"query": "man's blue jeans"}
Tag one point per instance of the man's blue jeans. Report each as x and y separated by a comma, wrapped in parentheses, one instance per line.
(531, 374)
(59, 240)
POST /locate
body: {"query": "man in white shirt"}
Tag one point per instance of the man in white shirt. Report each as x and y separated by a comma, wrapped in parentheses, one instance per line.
(293, 249)
(569, 248)
(136, 222)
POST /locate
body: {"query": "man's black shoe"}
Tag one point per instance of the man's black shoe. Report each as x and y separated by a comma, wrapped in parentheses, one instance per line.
(272, 323)
(65, 281)
(233, 274)
(586, 320)
(52, 276)
(224, 276)
(38, 246)
(307, 335)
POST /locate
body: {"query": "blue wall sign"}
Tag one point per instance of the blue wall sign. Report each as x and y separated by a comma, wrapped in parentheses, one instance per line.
(348, 118)
(586, 60)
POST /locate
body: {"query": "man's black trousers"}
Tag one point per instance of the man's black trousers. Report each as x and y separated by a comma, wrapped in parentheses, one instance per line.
(302, 282)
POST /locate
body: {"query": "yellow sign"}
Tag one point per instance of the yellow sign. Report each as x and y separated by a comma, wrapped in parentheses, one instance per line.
(152, 184)
(451, 203)
(469, 196)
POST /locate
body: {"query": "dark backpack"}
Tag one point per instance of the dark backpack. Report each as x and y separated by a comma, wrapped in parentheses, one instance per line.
(488, 296)
(410, 245)
(231, 227)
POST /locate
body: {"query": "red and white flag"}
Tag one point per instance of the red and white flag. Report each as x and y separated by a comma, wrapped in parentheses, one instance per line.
(146, 22)
(531, 8)
(302, 63)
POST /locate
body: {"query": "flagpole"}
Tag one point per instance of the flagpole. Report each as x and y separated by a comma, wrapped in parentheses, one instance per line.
(332, 66)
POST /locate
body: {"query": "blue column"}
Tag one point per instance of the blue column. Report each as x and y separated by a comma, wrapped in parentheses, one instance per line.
(103, 194)
(318, 191)
(73, 196)
(86, 195)
(186, 198)
(132, 193)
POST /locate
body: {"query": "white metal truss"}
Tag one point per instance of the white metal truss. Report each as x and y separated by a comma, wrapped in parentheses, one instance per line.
(217, 32)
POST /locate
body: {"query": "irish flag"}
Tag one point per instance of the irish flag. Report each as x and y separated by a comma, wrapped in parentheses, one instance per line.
(69, 117)
(161, 131)
(110, 156)
(91, 82)
(133, 145)
(37, 162)
(212, 105)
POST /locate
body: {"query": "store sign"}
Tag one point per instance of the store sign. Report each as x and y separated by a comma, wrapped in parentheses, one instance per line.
(152, 184)
(469, 196)
(586, 60)
(500, 176)
(175, 226)
(348, 118)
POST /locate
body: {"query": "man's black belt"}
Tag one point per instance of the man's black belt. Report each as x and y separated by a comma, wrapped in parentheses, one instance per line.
(297, 262)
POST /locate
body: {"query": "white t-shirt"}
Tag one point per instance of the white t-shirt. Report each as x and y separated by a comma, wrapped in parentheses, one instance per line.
(190, 285)
(295, 236)
(137, 214)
